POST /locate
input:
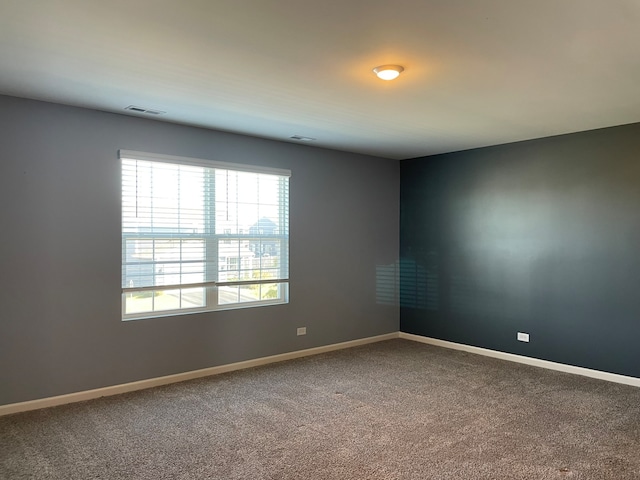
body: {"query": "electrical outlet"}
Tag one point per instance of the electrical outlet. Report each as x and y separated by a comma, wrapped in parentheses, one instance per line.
(523, 337)
(301, 331)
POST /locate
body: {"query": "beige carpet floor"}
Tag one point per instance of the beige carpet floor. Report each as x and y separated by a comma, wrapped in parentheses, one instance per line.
(391, 410)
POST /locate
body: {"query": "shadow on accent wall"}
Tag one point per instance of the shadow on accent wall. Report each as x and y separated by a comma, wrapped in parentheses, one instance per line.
(409, 284)
(467, 284)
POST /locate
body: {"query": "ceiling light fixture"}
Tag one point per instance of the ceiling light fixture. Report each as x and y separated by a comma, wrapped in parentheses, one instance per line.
(388, 72)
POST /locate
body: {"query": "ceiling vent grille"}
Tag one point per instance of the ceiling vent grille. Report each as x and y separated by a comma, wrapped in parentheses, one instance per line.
(147, 111)
(301, 138)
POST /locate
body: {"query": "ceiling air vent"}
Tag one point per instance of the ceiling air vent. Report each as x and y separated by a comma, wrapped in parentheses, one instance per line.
(301, 138)
(147, 111)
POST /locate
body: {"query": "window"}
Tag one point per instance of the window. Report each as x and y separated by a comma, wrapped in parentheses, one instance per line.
(201, 236)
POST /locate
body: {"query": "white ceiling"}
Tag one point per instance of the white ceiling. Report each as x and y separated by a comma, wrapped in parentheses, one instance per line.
(478, 72)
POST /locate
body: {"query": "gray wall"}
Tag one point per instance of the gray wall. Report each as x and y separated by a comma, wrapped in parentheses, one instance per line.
(60, 327)
(540, 237)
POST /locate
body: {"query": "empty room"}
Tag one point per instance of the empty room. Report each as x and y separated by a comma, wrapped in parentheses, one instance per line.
(267, 239)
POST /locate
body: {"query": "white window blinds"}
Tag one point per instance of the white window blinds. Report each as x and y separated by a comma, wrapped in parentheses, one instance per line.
(200, 236)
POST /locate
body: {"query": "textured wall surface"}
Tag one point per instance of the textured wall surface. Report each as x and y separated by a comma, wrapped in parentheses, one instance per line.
(60, 256)
(540, 237)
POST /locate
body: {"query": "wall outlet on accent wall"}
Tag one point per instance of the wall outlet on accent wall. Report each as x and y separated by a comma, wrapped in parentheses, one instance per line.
(523, 337)
(301, 331)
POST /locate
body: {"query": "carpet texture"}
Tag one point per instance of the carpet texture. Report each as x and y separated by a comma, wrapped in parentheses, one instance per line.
(390, 410)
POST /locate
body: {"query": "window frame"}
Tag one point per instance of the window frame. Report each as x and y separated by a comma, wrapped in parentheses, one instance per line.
(212, 243)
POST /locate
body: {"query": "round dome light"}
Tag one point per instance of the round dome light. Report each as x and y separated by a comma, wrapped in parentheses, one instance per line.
(388, 72)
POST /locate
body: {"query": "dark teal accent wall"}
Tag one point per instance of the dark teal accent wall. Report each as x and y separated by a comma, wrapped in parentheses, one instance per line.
(541, 237)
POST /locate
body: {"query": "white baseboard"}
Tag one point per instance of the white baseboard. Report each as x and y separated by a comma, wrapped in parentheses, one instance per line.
(205, 372)
(180, 377)
(586, 372)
